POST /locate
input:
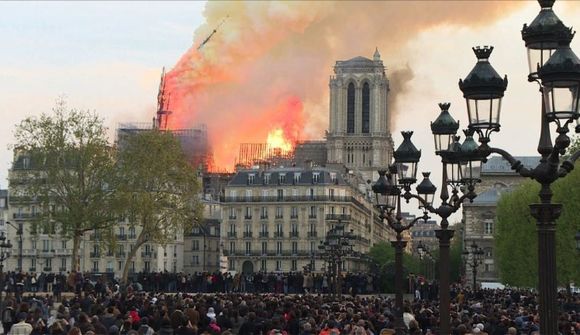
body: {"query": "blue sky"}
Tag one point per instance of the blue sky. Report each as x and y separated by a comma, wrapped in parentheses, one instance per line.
(103, 56)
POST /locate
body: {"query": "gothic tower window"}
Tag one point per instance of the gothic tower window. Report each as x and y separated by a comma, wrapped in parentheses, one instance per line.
(350, 109)
(365, 108)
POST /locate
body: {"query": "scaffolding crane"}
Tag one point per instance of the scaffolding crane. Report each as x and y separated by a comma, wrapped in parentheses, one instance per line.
(201, 45)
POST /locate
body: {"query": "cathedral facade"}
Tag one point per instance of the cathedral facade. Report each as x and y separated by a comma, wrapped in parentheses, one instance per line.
(359, 134)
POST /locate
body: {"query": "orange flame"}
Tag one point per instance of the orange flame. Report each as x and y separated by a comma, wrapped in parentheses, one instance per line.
(277, 140)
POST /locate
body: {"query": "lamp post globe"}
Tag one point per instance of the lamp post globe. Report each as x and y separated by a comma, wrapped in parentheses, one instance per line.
(483, 90)
(426, 189)
(444, 128)
(542, 36)
(406, 159)
(560, 77)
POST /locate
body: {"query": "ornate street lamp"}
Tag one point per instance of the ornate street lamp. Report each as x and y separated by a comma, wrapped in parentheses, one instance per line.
(5, 247)
(390, 192)
(555, 66)
(337, 245)
(476, 260)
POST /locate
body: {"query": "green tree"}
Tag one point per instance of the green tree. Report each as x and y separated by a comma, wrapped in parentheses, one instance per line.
(68, 174)
(157, 187)
(516, 236)
(383, 255)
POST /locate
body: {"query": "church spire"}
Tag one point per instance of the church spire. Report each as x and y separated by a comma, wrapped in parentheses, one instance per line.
(377, 55)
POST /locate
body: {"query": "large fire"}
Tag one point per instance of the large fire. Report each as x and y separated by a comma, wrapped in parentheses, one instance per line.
(250, 81)
(277, 140)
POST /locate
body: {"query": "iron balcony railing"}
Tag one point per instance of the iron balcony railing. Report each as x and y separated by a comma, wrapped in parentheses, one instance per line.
(342, 217)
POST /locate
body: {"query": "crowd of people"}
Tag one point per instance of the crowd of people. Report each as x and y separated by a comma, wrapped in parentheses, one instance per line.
(201, 282)
(132, 310)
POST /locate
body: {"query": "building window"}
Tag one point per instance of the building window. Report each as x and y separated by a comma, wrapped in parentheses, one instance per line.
(278, 265)
(232, 248)
(282, 178)
(266, 178)
(251, 177)
(63, 264)
(333, 177)
(119, 265)
(350, 109)
(488, 267)
(265, 194)
(45, 245)
(280, 195)
(312, 247)
(248, 248)
(488, 228)
(315, 177)
(147, 266)
(264, 248)
(279, 213)
(95, 266)
(279, 248)
(263, 264)
(488, 253)
(264, 228)
(294, 265)
(294, 213)
(297, 177)
(312, 214)
(248, 194)
(231, 265)
(195, 245)
(294, 248)
(366, 103)
(331, 193)
(232, 213)
(248, 215)
(311, 194)
(264, 214)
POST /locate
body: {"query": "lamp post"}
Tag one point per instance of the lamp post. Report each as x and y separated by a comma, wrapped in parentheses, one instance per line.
(460, 173)
(556, 68)
(337, 244)
(476, 259)
(19, 232)
(5, 247)
(427, 256)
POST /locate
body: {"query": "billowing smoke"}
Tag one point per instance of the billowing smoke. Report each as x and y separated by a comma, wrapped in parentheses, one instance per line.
(268, 65)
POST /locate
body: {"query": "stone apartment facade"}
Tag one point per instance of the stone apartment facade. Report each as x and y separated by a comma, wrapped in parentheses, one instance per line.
(43, 251)
(480, 216)
(274, 219)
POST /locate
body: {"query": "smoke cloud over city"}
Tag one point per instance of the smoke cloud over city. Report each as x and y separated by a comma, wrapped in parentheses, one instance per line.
(265, 71)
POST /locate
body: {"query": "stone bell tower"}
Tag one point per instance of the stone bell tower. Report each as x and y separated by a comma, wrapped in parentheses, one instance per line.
(359, 134)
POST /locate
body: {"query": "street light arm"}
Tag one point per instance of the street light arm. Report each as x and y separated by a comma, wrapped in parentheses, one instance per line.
(568, 165)
(395, 224)
(516, 165)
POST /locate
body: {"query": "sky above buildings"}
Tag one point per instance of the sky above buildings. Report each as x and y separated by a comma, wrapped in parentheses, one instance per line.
(267, 67)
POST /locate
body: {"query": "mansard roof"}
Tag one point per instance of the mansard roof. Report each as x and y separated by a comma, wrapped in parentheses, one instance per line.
(498, 165)
(306, 177)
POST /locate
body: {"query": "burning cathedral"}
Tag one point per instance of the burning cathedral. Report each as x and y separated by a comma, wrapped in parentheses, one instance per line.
(359, 134)
(359, 129)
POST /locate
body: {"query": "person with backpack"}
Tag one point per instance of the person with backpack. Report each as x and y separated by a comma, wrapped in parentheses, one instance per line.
(8, 318)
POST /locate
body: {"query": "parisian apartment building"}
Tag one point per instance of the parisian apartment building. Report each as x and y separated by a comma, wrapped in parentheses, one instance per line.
(275, 218)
